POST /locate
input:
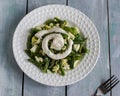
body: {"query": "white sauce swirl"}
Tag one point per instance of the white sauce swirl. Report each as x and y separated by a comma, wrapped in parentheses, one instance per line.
(58, 42)
(54, 29)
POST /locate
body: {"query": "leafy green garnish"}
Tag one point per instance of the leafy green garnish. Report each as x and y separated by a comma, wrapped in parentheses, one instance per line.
(71, 30)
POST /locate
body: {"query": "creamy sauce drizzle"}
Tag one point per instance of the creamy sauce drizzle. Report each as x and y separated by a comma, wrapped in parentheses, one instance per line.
(58, 42)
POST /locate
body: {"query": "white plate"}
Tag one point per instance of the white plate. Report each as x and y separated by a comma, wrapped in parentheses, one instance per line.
(37, 17)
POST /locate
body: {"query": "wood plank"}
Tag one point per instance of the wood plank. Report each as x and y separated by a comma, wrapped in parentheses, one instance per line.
(32, 4)
(114, 29)
(10, 74)
(31, 87)
(96, 10)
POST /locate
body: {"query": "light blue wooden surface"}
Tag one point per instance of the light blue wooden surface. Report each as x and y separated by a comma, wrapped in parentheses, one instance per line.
(96, 10)
(114, 23)
(11, 11)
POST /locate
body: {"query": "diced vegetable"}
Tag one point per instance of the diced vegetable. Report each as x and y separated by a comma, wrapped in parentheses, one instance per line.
(34, 40)
(33, 49)
(38, 59)
(57, 24)
(55, 68)
(47, 27)
(76, 47)
(51, 24)
(76, 63)
(71, 36)
(38, 41)
(38, 28)
(65, 65)
(64, 61)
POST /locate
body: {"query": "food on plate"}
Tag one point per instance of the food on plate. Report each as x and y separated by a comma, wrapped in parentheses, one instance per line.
(56, 46)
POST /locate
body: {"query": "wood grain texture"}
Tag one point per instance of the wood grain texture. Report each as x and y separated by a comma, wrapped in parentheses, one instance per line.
(96, 10)
(31, 87)
(114, 29)
(11, 11)
(32, 4)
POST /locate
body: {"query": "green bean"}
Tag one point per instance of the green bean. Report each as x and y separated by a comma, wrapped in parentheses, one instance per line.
(78, 39)
(33, 31)
(38, 64)
(37, 54)
(50, 21)
(74, 31)
(62, 71)
(72, 62)
(64, 35)
(68, 29)
(71, 30)
(84, 50)
(78, 56)
(62, 23)
(46, 64)
(57, 19)
(28, 52)
(38, 48)
(52, 64)
(83, 44)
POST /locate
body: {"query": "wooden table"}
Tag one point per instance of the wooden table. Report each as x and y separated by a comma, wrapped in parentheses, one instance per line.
(106, 16)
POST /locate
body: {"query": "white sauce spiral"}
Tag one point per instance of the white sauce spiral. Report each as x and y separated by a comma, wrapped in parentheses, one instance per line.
(58, 42)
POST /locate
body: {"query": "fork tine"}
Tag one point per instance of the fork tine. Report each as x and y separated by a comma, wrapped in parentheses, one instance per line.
(111, 83)
(112, 86)
(107, 80)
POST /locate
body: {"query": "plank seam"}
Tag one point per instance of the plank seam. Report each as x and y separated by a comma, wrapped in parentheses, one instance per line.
(109, 51)
(26, 6)
(23, 72)
(67, 2)
(66, 86)
(23, 84)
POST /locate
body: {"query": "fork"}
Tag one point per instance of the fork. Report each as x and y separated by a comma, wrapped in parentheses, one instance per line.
(107, 86)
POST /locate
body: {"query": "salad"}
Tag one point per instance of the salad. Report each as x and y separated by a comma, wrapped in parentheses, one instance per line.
(56, 46)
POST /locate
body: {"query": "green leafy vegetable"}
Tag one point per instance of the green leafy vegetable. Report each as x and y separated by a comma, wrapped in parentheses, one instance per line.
(71, 30)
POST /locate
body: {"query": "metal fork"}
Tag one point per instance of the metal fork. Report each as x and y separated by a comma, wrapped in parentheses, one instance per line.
(106, 86)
